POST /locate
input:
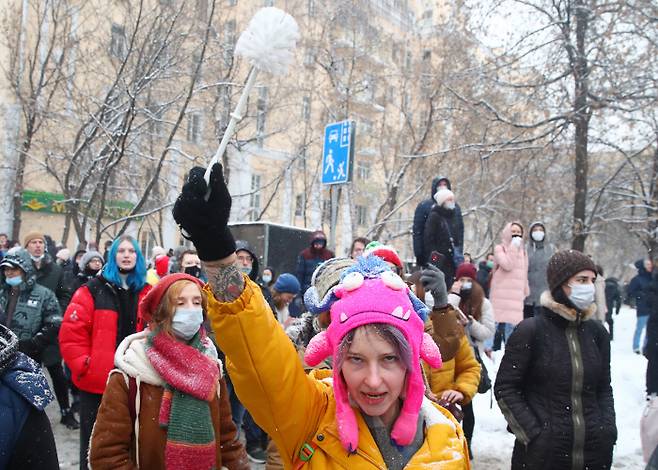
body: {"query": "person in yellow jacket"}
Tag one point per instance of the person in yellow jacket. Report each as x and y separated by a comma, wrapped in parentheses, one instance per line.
(371, 413)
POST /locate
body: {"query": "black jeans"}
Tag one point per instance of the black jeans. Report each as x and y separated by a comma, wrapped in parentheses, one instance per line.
(89, 403)
(468, 425)
(60, 384)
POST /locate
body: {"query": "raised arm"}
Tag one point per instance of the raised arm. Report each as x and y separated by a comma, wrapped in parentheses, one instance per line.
(263, 364)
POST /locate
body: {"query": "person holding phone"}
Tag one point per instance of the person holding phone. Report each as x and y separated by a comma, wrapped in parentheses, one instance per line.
(439, 235)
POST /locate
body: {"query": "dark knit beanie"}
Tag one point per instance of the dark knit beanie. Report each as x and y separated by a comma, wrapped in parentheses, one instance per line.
(287, 283)
(565, 264)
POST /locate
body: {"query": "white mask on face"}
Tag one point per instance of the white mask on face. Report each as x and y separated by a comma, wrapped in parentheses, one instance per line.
(187, 321)
(582, 295)
(538, 236)
(517, 241)
(449, 205)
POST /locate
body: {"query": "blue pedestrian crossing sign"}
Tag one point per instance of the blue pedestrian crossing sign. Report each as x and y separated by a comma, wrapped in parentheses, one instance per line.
(337, 152)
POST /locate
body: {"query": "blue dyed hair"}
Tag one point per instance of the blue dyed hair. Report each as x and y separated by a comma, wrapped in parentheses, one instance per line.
(137, 278)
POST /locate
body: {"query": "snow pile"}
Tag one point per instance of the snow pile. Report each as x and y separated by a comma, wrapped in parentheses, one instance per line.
(492, 444)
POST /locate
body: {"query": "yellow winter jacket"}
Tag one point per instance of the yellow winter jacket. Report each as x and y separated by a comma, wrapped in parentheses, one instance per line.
(298, 410)
(461, 373)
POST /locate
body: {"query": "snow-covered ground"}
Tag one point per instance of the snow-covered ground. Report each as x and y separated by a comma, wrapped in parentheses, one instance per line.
(492, 444)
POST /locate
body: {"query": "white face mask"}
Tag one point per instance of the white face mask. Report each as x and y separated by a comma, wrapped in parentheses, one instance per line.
(266, 278)
(517, 241)
(538, 236)
(449, 205)
(582, 295)
(187, 321)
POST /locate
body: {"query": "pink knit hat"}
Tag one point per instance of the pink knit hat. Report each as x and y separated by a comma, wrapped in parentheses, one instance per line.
(367, 296)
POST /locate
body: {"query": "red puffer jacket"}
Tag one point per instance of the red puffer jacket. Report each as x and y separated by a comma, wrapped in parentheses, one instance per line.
(88, 335)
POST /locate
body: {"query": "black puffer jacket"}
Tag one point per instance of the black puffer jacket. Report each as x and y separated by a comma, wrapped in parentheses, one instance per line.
(553, 387)
(420, 218)
(439, 230)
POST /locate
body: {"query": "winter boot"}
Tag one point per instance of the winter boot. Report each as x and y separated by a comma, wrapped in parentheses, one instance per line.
(68, 419)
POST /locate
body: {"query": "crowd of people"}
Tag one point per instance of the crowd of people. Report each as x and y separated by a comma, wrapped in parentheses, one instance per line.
(201, 358)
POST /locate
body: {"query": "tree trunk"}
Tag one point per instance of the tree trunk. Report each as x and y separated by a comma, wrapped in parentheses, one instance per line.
(652, 210)
(581, 121)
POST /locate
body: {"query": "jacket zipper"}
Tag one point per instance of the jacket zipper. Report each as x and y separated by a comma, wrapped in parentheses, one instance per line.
(577, 374)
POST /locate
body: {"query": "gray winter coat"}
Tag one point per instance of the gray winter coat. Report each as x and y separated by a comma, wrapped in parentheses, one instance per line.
(37, 316)
(538, 255)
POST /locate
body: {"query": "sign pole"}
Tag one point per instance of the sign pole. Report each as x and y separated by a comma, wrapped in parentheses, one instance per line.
(333, 195)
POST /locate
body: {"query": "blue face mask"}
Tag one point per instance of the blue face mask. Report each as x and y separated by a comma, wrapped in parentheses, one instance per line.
(14, 281)
(187, 321)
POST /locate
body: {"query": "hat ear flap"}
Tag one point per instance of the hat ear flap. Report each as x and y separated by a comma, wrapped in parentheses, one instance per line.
(404, 429)
(348, 429)
(318, 349)
(430, 352)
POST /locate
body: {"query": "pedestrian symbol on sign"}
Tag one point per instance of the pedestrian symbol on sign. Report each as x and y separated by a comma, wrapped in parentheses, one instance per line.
(337, 152)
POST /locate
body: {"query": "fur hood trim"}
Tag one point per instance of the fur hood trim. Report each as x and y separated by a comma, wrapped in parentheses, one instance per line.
(570, 314)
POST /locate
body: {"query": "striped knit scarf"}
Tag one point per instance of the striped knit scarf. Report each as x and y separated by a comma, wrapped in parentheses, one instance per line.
(190, 384)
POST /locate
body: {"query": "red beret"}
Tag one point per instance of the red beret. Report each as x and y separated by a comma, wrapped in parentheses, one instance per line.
(466, 270)
(153, 298)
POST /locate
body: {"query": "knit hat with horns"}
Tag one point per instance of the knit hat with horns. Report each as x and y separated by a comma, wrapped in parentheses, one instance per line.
(370, 293)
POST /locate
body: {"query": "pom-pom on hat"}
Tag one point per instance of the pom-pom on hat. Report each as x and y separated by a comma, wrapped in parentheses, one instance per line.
(442, 194)
(151, 301)
(385, 252)
(565, 264)
(466, 270)
(370, 293)
(287, 283)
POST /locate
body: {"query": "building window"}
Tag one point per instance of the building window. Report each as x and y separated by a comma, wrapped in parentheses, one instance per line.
(361, 215)
(268, 3)
(369, 87)
(311, 7)
(407, 60)
(309, 56)
(299, 205)
(118, 44)
(202, 10)
(194, 127)
(261, 112)
(363, 169)
(229, 41)
(427, 15)
(232, 3)
(254, 198)
(339, 66)
(427, 55)
(306, 108)
(155, 115)
(395, 52)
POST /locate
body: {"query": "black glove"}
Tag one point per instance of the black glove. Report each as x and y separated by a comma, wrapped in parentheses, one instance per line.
(205, 222)
(30, 348)
(434, 281)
